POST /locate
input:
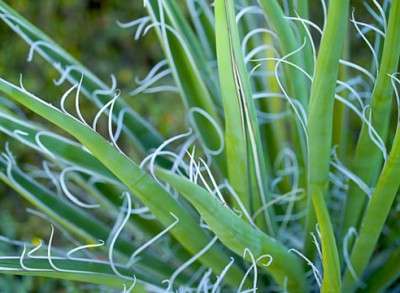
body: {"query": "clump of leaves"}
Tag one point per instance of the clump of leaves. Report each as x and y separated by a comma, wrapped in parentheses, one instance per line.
(268, 190)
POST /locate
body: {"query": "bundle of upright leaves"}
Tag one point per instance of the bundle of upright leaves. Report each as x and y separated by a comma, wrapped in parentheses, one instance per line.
(267, 190)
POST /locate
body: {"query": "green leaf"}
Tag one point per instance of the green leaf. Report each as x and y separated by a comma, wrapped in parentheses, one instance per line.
(180, 23)
(53, 145)
(238, 235)
(375, 215)
(160, 202)
(203, 21)
(368, 158)
(300, 8)
(190, 72)
(385, 275)
(63, 150)
(94, 272)
(141, 133)
(79, 223)
(320, 135)
(297, 82)
(245, 158)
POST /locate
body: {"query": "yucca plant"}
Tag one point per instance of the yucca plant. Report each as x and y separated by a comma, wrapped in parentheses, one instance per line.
(285, 180)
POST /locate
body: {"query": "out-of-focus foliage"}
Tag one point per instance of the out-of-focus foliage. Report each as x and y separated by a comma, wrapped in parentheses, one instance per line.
(88, 30)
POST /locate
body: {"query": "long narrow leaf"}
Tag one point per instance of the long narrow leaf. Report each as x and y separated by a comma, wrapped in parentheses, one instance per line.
(385, 275)
(288, 42)
(246, 163)
(81, 224)
(141, 132)
(89, 271)
(368, 157)
(239, 235)
(320, 135)
(188, 69)
(53, 145)
(160, 203)
(376, 213)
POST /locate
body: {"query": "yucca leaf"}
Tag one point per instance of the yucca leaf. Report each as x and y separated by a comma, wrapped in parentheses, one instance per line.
(53, 145)
(67, 215)
(94, 272)
(160, 203)
(300, 8)
(177, 49)
(179, 22)
(266, 202)
(297, 83)
(375, 216)
(376, 212)
(187, 67)
(248, 26)
(70, 152)
(320, 135)
(79, 223)
(64, 151)
(3, 107)
(368, 157)
(203, 21)
(142, 134)
(276, 131)
(245, 158)
(238, 235)
(341, 135)
(385, 275)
